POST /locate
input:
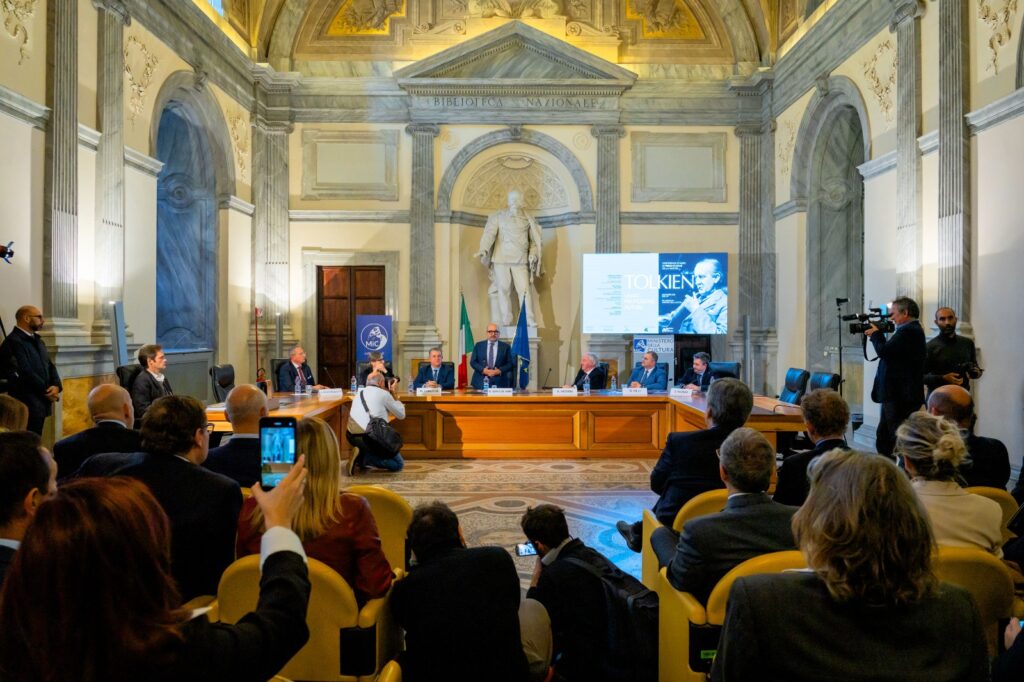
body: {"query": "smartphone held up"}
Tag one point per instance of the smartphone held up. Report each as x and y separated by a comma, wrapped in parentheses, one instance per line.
(277, 449)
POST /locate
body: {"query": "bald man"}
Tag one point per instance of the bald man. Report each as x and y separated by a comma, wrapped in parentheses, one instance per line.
(25, 363)
(239, 458)
(988, 462)
(110, 408)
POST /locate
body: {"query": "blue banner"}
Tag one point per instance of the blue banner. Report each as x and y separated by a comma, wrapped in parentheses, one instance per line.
(373, 333)
(521, 347)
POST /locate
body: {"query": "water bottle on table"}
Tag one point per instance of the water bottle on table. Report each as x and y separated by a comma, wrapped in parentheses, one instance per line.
(487, 383)
(615, 383)
(298, 386)
(354, 385)
(586, 384)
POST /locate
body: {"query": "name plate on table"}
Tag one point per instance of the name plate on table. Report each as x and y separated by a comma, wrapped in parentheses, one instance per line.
(499, 392)
(428, 390)
(332, 393)
(634, 391)
(564, 391)
(681, 393)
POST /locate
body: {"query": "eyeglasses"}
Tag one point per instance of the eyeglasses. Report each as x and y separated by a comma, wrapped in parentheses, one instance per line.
(718, 453)
(492, 331)
(210, 427)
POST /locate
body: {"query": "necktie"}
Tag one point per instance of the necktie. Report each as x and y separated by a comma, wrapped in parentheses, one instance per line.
(302, 377)
(490, 356)
(435, 375)
(643, 380)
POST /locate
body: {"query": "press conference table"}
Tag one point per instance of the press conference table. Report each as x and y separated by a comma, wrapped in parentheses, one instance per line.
(469, 424)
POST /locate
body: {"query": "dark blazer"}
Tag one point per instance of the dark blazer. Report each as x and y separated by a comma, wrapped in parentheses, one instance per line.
(460, 615)
(690, 377)
(657, 380)
(793, 485)
(445, 376)
(145, 390)
(6, 557)
(388, 375)
(990, 462)
(238, 459)
(688, 466)
(597, 379)
(786, 626)
(202, 506)
(503, 360)
(25, 363)
(287, 374)
(104, 437)
(900, 375)
(712, 545)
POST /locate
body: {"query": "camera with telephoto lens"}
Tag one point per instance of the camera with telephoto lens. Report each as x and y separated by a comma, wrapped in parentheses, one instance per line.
(864, 321)
(968, 369)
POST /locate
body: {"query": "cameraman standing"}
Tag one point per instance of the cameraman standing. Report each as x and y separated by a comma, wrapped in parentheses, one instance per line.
(899, 382)
(950, 358)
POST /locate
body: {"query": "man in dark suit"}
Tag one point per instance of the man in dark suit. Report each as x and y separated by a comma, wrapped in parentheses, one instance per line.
(950, 359)
(899, 380)
(150, 384)
(436, 373)
(239, 458)
(377, 363)
(25, 362)
(826, 416)
(28, 475)
(201, 505)
(295, 368)
(493, 359)
(111, 410)
(458, 606)
(648, 374)
(688, 465)
(750, 525)
(589, 367)
(698, 377)
(988, 462)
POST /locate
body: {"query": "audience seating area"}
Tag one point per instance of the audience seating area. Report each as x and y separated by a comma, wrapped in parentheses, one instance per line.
(711, 502)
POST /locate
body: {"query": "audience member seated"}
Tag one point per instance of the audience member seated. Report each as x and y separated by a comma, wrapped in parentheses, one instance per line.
(575, 600)
(435, 374)
(377, 364)
(688, 465)
(202, 506)
(750, 525)
(589, 367)
(13, 414)
(90, 597)
(932, 450)
(28, 475)
(458, 606)
(112, 412)
(826, 417)
(335, 527)
(987, 462)
(295, 369)
(698, 377)
(380, 402)
(1009, 666)
(648, 375)
(239, 458)
(870, 608)
(151, 383)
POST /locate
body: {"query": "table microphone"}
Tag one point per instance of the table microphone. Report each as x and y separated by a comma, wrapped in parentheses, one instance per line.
(328, 373)
(548, 376)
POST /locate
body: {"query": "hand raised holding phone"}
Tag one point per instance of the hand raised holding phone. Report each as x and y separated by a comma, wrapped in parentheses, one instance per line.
(282, 503)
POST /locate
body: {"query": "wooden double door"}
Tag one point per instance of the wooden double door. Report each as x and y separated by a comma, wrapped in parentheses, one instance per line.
(342, 292)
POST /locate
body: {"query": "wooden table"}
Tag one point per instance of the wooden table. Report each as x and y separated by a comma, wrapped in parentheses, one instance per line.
(334, 411)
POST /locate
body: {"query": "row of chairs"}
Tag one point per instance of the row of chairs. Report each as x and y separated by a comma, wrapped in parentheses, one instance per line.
(800, 381)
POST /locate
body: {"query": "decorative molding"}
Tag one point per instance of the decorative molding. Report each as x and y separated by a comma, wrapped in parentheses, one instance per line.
(233, 203)
(582, 141)
(539, 185)
(21, 108)
(878, 165)
(646, 189)
(789, 208)
(88, 137)
(142, 162)
(139, 65)
(787, 143)
(469, 219)
(448, 139)
(995, 113)
(929, 142)
(18, 13)
(313, 216)
(316, 187)
(999, 16)
(883, 85)
(239, 129)
(679, 218)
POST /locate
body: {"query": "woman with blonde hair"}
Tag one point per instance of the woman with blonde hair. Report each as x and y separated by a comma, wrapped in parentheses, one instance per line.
(336, 528)
(932, 450)
(870, 606)
(13, 414)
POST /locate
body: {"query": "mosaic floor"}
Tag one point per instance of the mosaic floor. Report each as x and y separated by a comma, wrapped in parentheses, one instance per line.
(490, 496)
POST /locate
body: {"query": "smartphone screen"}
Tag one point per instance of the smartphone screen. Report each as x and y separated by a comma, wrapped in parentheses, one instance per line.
(526, 549)
(277, 449)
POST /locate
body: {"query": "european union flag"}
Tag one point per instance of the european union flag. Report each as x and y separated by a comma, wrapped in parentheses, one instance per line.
(521, 347)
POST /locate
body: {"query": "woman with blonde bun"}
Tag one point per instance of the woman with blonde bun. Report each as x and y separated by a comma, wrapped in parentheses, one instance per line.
(932, 450)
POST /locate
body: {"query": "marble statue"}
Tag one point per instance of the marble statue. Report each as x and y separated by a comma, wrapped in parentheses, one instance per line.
(511, 249)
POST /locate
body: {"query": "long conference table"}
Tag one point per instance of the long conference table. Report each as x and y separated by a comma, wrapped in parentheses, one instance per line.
(470, 424)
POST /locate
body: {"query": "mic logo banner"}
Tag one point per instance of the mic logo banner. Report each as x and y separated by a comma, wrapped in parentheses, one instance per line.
(374, 335)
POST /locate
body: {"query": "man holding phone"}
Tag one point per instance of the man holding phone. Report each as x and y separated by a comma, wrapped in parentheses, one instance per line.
(380, 402)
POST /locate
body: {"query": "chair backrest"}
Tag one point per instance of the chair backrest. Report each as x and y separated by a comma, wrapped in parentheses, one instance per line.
(393, 515)
(986, 578)
(392, 672)
(796, 385)
(823, 380)
(126, 375)
(723, 370)
(1006, 502)
(424, 363)
(223, 381)
(275, 367)
(364, 365)
(775, 562)
(710, 502)
(332, 608)
(660, 365)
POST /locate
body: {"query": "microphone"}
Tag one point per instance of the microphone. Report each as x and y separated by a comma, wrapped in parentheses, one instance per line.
(840, 301)
(328, 373)
(546, 377)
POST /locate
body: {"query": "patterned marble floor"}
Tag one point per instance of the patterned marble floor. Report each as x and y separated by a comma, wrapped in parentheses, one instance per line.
(490, 496)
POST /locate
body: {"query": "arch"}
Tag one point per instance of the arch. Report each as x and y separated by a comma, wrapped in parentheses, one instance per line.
(512, 135)
(833, 94)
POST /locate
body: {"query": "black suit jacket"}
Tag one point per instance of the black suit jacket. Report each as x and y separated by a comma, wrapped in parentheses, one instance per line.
(597, 379)
(445, 376)
(25, 363)
(145, 390)
(6, 557)
(460, 615)
(104, 437)
(900, 375)
(287, 374)
(793, 484)
(503, 360)
(786, 626)
(238, 459)
(388, 375)
(688, 466)
(712, 545)
(201, 505)
(690, 377)
(990, 462)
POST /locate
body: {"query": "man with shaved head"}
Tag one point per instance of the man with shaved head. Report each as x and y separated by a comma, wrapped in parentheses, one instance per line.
(25, 363)
(110, 408)
(987, 462)
(239, 458)
(951, 359)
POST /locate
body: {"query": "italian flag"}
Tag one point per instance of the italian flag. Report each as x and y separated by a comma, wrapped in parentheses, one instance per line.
(465, 345)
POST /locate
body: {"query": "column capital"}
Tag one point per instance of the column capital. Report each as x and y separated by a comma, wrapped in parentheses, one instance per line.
(754, 129)
(904, 11)
(608, 130)
(272, 127)
(431, 129)
(115, 8)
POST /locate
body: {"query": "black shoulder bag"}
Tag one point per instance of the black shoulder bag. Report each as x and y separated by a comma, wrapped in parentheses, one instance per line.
(383, 435)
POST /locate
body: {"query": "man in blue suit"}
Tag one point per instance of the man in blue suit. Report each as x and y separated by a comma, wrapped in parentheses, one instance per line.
(648, 375)
(492, 358)
(436, 373)
(239, 458)
(295, 368)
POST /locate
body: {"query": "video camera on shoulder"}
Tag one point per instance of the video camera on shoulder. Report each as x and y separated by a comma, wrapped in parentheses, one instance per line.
(879, 317)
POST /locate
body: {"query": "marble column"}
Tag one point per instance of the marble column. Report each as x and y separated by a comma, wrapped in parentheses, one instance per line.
(954, 258)
(907, 26)
(109, 244)
(609, 232)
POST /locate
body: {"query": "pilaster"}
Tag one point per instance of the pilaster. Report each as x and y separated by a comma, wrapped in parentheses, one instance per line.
(421, 225)
(608, 198)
